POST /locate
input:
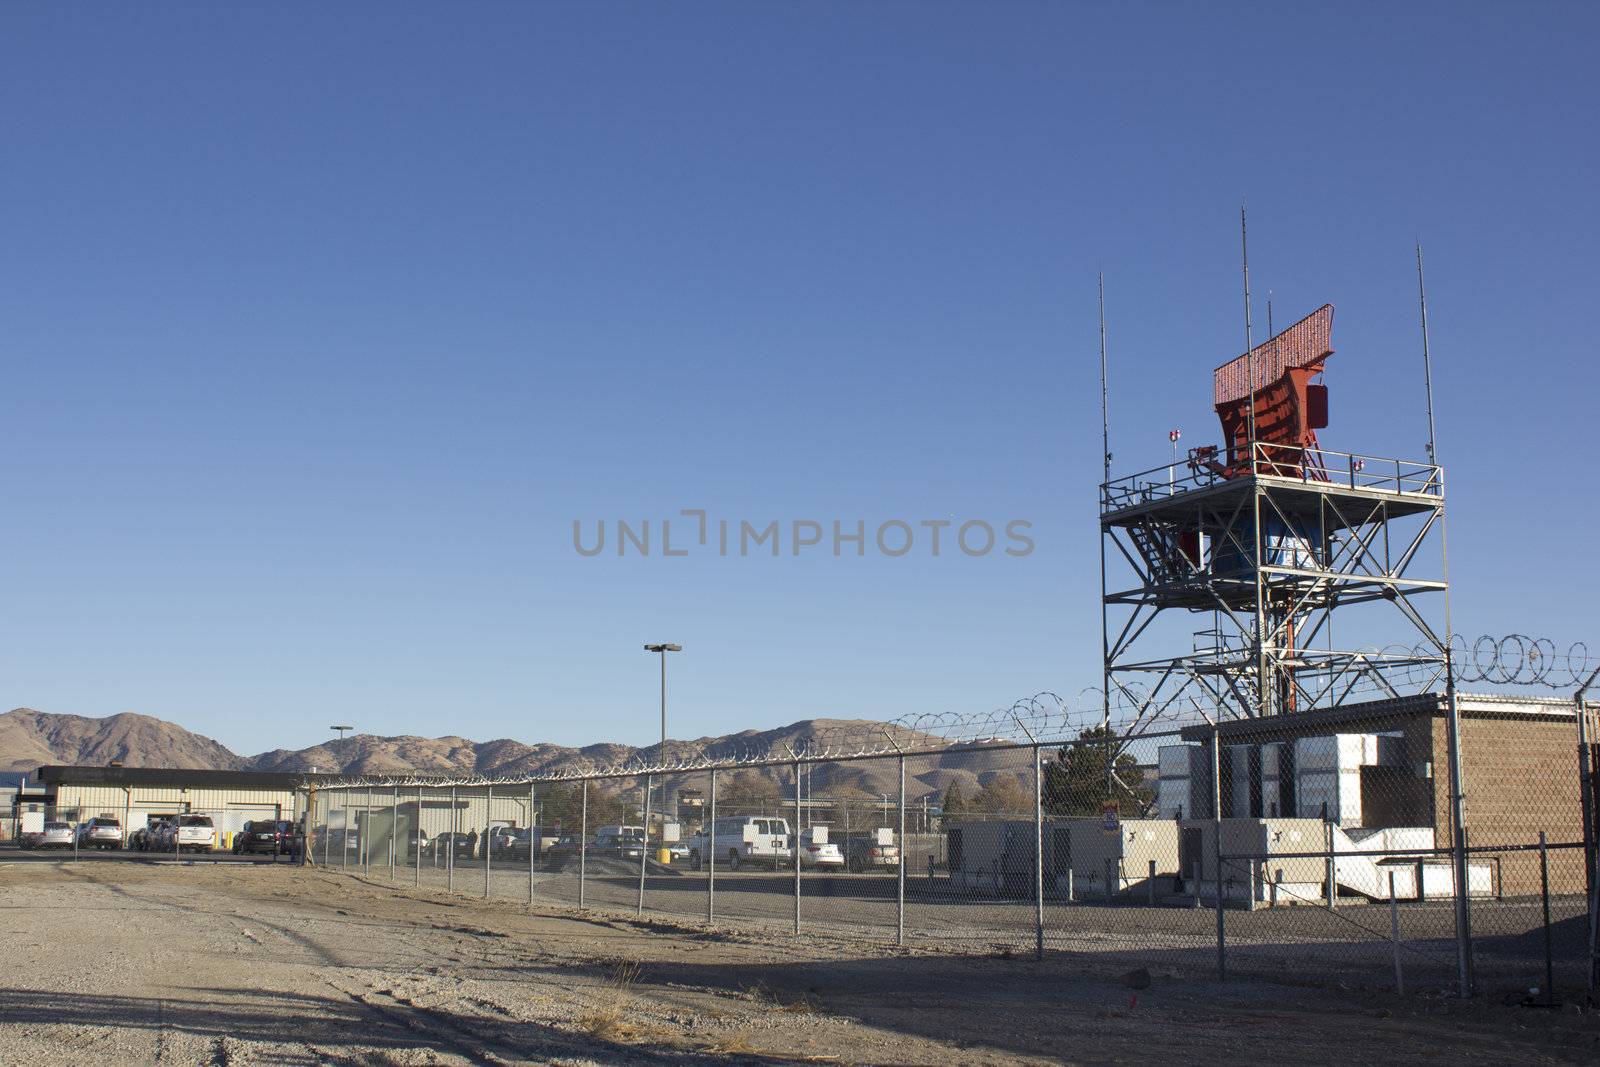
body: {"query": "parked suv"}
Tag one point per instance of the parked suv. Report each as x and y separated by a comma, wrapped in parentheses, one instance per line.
(191, 833)
(274, 836)
(102, 831)
(463, 845)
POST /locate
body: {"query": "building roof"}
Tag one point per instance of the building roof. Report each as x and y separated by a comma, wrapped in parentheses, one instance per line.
(190, 777)
(1373, 712)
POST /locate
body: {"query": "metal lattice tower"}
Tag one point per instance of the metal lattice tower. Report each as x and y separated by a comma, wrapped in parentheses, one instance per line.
(1268, 541)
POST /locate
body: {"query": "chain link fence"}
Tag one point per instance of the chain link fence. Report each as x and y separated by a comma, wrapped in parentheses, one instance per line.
(1321, 846)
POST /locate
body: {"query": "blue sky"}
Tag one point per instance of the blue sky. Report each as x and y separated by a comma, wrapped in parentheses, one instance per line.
(320, 329)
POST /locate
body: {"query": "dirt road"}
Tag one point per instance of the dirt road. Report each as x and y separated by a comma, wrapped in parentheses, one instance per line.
(217, 964)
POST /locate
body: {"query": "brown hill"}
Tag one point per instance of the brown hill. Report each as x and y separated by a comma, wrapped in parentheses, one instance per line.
(29, 739)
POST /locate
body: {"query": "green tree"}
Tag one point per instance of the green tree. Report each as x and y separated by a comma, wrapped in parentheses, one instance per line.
(1076, 782)
(955, 802)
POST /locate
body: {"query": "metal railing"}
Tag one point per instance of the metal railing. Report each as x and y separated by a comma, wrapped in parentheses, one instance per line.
(1208, 465)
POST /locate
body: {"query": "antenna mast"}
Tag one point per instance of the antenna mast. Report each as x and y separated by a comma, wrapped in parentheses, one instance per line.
(1427, 363)
(1105, 425)
(1250, 359)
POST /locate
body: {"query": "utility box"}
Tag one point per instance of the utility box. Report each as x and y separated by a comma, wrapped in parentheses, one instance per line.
(1084, 859)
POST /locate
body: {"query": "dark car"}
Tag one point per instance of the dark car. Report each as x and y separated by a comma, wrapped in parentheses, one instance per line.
(862, 853)
(277, 837)
(465, 846)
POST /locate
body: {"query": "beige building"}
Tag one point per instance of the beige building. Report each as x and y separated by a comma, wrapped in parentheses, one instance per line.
(136, 795)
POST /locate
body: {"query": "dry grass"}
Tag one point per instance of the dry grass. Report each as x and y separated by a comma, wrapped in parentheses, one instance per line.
(735, 1044)
(764, 995)
(609, 1019)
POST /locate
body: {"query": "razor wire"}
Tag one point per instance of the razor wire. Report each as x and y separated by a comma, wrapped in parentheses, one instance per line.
(1045, 718)
(1513, 660)
(1042, 719)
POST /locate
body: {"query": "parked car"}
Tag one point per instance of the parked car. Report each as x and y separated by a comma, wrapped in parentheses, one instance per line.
(54, 835)
(464, 845)
(102, 831)
(824, 856)
(626, 842)
(864, 853)
(148, 839)
(190, 833)
(564, 845)
(278, 837)
(740, 840)
(338, 840)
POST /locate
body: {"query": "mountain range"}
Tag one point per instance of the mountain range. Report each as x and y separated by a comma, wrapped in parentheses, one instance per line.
(30, 739)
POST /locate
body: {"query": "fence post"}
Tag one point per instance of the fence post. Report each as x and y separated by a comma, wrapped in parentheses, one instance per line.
(1216, 851)
(1038, 849)
(418, 835)
(1591, 861)
(487, 839)
(327, 824)
(1150, 884)
(794, 842)
(900, 873)
(1594, 924)
(1458, 830)
(583, 838)
(644, 853)
(394, 828)
(533, 842)
(1544, 897)
(1332, 881)
(450, 850)
(344, 805)
(709, 832)
(1394, 935)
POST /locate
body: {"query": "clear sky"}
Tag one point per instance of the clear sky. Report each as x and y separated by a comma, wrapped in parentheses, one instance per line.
(320, 328)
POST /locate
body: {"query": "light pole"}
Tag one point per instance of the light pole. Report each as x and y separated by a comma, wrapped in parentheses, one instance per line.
(662, 650)
(1173, 436)
(644, 853)
(342, 730)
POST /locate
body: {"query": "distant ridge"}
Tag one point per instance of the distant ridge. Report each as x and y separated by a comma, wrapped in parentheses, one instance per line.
(30, 739)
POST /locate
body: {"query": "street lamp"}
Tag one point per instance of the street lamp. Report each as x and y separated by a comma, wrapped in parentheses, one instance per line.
(663, 650)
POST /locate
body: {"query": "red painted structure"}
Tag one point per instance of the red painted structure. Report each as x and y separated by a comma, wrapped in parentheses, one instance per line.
(1289, 409)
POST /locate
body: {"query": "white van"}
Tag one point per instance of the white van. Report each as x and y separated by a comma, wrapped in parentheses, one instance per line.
(741, 840)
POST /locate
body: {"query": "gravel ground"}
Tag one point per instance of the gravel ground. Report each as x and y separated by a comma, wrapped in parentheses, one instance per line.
(233, 964)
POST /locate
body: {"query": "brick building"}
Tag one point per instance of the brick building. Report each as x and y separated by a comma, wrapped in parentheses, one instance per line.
(1385, 764)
